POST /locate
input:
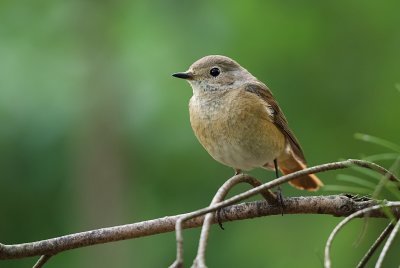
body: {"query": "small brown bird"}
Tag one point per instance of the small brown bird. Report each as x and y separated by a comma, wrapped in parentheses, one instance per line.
(237, 120)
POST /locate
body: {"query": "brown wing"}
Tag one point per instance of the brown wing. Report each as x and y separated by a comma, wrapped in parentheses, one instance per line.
(278, 118)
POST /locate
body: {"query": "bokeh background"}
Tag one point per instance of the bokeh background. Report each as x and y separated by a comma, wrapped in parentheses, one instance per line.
(95, 132)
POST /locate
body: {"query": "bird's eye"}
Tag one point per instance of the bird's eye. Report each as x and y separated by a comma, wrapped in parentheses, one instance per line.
(215, 72)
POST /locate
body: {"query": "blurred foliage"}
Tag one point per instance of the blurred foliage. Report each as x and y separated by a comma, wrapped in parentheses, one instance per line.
(95, 131)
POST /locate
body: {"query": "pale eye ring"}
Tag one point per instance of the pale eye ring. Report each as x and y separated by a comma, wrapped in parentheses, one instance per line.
(215, 71)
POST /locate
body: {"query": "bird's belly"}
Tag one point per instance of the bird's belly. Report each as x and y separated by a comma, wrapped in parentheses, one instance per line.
(240, 139)
(238, 155)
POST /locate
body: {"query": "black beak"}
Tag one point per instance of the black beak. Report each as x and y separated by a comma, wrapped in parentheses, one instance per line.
(185, 75)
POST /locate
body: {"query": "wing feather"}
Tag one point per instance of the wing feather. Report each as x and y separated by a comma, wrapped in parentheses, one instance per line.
(278, 117)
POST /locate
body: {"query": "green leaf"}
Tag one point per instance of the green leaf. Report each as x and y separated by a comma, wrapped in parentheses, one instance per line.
(380, 157)
(369, 172)
(378, 141)
(356, 180)
(393, 189)
(388, 212)
(346, 189)
(397, 86)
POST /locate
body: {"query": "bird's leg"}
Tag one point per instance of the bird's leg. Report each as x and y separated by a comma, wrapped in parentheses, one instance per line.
(279, 195)
(276, 169)
(237, 171)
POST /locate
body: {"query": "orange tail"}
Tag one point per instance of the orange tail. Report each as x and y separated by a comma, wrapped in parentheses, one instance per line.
(308, 182)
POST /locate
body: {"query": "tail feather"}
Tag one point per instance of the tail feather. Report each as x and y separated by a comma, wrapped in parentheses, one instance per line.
(307, 182)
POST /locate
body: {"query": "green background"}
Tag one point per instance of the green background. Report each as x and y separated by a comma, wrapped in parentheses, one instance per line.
(95, 132)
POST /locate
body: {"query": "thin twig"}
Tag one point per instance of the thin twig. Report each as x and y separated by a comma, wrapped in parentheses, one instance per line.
(269, 196)
(375, 245)
(320, 168)
(327, 261)
(378, 189)
(387, 245)
(42, 260)
(199, 261)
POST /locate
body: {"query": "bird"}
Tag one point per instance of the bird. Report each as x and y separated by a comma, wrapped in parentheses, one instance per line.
(239, 123)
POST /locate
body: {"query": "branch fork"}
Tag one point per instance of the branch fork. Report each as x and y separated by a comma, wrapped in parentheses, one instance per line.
(218, 204)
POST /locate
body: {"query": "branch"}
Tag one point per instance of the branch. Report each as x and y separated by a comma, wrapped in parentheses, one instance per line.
(219, 196)
(387, 245)
(336, 205)
(42, 261)
(286, 178)
(392, 205)
(375, 245)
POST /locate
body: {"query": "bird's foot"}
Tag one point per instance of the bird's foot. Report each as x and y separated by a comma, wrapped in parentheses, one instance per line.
(280, 199)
